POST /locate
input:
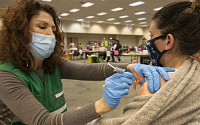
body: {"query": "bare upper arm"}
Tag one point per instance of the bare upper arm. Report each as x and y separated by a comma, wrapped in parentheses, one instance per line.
(144, 90)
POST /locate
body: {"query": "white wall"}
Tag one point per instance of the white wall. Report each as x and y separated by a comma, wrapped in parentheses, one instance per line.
(76, 27)
(99, 32)
(130, 40)
(83, 37)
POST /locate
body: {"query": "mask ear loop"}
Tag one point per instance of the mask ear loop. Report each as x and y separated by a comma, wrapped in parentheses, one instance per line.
(158, 59)
(31, 32)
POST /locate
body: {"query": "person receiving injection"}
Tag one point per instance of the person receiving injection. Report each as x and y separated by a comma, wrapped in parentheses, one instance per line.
(32, 66)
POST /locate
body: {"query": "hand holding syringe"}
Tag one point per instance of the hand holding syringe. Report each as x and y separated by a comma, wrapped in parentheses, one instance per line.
(117, 69)
(116, 86)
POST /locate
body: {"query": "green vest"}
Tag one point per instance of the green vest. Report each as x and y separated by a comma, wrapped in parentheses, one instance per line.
(49, 93)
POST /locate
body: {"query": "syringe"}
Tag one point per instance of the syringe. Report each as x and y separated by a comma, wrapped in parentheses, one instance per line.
(116, 69)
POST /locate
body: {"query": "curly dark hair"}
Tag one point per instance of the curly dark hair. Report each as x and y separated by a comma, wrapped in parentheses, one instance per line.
(183, 22)
(15, 35)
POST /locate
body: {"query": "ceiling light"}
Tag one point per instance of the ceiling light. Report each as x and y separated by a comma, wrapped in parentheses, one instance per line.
(140, 13)
(100, 21)
(117, 23)
(142, 22)
(128, 21)
(47, 0)
(117, 9)
(88, 4)
(90, 17)
(144, 26)
(102, 13)
(74, 10)
(111, 19)
(64, 14)
(157, 9)
(125, 16)
(79, 19)
(136, 3)
(141, 18)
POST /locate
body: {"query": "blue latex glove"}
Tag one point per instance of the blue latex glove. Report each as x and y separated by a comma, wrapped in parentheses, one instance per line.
(152, 73)
(116, 86)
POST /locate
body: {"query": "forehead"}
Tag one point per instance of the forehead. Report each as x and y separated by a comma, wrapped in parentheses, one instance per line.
(44, 17)
(153, 28)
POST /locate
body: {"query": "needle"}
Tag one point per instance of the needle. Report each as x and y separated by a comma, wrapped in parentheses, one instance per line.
(116, 69)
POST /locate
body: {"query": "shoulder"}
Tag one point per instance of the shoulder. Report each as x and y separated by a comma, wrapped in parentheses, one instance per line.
(144, 90)
(9, 83)
(6, 76)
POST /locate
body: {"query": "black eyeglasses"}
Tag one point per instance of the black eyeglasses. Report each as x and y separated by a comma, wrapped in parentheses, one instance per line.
(158, 37)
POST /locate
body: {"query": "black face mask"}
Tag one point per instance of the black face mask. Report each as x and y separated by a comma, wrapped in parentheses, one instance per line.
(154, 54)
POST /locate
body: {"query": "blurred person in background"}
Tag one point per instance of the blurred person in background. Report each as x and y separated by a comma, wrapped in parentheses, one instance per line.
(175, 38)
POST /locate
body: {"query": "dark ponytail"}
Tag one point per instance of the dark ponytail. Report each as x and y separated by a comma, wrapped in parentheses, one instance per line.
(182, 20)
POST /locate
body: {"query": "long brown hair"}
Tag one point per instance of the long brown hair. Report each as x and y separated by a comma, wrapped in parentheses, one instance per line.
(15, 36)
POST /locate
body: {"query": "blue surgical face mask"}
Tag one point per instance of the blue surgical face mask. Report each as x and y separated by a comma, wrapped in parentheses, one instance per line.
(154, 54)
(42, 46)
